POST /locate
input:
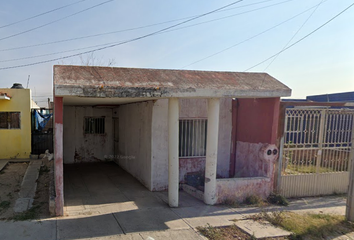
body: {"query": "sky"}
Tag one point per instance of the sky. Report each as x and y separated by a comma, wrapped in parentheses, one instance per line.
(316, 52)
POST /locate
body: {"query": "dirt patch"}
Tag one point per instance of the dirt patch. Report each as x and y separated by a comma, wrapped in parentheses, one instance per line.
(10, 183)
(228, 233)
(41, 199)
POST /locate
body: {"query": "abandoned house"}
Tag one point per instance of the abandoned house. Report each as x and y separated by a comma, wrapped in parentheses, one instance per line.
(169, 128)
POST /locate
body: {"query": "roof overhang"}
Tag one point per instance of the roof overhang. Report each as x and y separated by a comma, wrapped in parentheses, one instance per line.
(81, 83)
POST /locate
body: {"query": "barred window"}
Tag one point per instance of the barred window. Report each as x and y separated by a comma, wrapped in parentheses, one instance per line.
(94, 125)
(10, 120)
(192, 137)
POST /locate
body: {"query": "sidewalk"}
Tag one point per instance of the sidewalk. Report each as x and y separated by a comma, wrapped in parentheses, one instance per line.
(179, 223)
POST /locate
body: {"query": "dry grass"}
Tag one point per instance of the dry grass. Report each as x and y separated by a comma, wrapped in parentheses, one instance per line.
(308, 226)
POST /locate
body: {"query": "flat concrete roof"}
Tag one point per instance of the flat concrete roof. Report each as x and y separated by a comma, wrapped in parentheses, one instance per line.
(115, 82)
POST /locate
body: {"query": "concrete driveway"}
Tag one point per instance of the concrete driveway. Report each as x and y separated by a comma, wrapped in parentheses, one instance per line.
(101, 199)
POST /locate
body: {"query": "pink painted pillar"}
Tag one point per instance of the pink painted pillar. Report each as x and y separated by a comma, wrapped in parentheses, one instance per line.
(58, 156)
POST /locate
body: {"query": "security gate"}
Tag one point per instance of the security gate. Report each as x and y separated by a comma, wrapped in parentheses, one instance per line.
(42, 131)
(315, 151)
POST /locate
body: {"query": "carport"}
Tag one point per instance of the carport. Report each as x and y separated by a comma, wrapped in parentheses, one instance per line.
(132, 117)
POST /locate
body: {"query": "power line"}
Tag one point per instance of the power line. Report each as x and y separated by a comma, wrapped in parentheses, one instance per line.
(303, 24)
(46, 24)
(124, 42)
(105, 44)
(294, 35)
(147, 26)
(307, 35)
(248, 39)
(41, 14)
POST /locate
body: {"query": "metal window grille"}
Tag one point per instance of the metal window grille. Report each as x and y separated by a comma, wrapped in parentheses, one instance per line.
(192, 137)
(94, 125)
(10, 120)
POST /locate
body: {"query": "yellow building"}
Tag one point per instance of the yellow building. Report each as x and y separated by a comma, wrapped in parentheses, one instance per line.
(15, 123)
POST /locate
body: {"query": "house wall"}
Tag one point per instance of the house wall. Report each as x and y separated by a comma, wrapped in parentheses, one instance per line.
(135, 136)
(257, 124)
(81, 147)
(189, 108)
(238, 189)
(16, 143)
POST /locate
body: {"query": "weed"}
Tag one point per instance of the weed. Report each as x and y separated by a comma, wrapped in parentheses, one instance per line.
(30, 214)
(277, 199)
(230, 202)
(43, 169)
(4, 205)
(308, 226)
(276, 218)
(253, 200)
(9, 195)
(210, 232)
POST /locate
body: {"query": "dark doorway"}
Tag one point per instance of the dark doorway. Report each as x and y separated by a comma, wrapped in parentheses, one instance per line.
(42, 130)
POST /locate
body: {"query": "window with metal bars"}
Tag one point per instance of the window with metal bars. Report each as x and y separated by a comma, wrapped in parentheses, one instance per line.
(192, 137)
(94, 125)
(10, 120)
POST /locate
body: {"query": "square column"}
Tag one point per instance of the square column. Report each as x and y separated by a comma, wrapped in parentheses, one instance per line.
(211, 151)
(173, 158)
(58, 156)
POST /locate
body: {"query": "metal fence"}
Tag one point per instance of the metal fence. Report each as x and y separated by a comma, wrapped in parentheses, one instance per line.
(316, 151)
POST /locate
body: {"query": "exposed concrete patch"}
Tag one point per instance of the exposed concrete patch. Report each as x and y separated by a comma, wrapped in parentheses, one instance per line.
(87, 227)
(3, 163)
(28, 187)
(28, 230)
(261, 229)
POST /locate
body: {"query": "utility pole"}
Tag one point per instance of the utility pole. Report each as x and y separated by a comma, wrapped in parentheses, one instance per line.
(349, 213)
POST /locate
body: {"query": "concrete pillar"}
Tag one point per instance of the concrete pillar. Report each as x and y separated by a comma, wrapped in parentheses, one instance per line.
(349, 211)
(211, 151)
(58, 156)
(173, 160)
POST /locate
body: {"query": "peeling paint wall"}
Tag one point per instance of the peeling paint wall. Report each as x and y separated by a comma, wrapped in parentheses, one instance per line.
(257, 122)
(16, 143)
(256, 131)
(189, 109)
(135, 136)
(81, 147)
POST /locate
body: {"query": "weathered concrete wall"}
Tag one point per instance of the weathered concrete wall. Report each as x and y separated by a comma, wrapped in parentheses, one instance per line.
(16, 143)
(251, 162)
(256, 132)
(237, 189)
(189, 109)
(81, 147)
(257, 124)
(135, 136)
(58, 157)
